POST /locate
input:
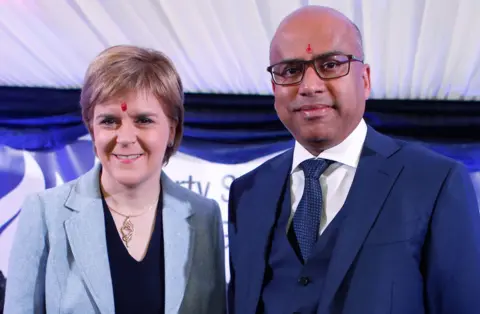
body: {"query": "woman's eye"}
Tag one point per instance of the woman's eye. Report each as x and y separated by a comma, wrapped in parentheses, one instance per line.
(108, 121)
(144, 120)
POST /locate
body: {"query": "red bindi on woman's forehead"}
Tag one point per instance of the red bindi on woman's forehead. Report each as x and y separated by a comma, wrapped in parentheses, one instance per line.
(123, 106)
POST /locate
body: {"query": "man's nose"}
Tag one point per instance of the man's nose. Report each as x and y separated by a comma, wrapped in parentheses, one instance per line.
(311, 83)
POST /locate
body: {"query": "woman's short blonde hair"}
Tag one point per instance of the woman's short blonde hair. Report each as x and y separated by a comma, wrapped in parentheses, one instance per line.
(119, 70)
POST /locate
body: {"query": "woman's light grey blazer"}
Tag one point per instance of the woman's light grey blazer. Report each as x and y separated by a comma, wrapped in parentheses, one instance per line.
(59, 261)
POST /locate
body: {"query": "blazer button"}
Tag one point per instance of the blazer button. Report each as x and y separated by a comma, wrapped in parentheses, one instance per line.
(304, 281)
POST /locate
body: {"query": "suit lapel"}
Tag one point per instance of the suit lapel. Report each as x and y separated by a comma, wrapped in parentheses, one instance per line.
(373, 181)
(263, 202)
(178, 242)
(86, 235)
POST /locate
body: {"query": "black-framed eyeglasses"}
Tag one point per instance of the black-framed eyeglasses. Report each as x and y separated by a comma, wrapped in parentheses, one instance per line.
(327, 67)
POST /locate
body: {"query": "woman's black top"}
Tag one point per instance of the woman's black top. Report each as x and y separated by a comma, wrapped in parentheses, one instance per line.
(138, 287)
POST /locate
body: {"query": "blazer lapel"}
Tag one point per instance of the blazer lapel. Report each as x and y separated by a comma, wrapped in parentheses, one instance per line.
(373, 181)
(86, 235)
(179, 239)
(262, 202)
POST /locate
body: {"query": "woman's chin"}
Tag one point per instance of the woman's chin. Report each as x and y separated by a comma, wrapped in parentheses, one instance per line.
(131, 179)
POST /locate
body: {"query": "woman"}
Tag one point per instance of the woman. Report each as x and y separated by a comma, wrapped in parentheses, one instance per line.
(123, 238)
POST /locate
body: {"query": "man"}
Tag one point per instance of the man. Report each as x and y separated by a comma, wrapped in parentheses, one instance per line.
(350, 221)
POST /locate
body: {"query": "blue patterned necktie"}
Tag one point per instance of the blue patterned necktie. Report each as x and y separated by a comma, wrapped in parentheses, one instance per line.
(306, 220)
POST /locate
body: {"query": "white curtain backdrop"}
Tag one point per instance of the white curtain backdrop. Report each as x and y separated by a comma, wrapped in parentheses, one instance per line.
(418, 49)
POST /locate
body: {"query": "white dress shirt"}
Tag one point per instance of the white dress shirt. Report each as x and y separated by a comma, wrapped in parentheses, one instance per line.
(337, 178)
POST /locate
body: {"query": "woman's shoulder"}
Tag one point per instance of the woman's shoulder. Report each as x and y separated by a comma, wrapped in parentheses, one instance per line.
(58, 192)
(196, 202)
(85, 184)
(53, 198)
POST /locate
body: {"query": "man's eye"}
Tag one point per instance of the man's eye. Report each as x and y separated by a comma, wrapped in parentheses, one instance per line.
(330, 65)
(289, 71)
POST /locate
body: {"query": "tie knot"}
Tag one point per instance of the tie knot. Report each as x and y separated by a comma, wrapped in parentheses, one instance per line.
(313, 168)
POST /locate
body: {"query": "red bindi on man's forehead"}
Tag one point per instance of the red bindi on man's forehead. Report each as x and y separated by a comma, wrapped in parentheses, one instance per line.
(123, 106)
(309, 49)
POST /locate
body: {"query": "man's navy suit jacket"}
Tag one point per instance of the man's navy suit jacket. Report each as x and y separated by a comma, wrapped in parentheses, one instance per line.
(409, 245)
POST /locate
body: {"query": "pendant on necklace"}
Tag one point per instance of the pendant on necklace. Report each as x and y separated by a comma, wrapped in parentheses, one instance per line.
(127, 230)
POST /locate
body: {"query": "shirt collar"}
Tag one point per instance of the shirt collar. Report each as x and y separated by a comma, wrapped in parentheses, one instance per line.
(347, 152)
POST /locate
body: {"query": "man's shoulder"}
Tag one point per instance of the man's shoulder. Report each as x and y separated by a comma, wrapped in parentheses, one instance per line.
(407, 152)
(419, 155)
(266, 168)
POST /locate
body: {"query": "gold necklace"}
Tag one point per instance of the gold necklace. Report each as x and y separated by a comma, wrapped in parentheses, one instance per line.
(127, 229)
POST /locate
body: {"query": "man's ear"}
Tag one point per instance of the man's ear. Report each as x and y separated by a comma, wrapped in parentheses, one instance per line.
(366, 81)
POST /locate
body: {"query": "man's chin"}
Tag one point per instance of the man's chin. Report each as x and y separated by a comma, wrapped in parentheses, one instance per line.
(317, 141)
(318, 135)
